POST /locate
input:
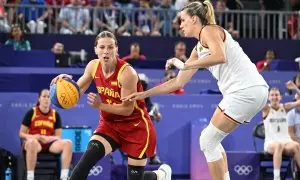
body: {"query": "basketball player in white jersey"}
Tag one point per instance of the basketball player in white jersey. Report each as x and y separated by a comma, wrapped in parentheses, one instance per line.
(277, 138)
(244, 90)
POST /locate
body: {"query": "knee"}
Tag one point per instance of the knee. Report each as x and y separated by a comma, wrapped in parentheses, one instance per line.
(67, 144)
(32, 145)
(209, 140)
(279, 147)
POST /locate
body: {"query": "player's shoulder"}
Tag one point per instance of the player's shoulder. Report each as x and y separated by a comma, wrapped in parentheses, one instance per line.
(93, 62)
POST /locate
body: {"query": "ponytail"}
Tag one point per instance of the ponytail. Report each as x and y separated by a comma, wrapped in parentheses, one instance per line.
(203, 9)
(210, 14)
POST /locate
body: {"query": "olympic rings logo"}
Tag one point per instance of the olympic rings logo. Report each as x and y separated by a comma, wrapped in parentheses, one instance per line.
(243, 170)
(96, 170)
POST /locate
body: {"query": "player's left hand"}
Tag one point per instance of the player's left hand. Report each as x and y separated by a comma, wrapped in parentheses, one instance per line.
(174, 62)
(134, 96)
(94, 100)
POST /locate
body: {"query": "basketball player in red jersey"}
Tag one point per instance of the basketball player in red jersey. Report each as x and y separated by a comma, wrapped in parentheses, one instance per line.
(124, 125)
(41, 132)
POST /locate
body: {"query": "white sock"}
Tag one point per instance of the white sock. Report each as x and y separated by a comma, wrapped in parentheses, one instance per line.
(276, 173)
(160, 174)
(64, 173)
(30, 175)
(227, 176)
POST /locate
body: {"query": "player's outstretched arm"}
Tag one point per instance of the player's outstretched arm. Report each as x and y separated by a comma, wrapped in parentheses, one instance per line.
(182, 78)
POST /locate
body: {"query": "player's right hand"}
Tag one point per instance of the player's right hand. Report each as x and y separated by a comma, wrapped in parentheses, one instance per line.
(59, 77)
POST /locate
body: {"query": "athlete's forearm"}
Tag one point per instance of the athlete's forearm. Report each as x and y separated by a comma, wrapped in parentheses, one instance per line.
(205, 62)
(118, 109)
(164, 88)
(27, 136)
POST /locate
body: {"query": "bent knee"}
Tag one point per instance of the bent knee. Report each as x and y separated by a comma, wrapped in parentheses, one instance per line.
(31, 145)
(67, 143)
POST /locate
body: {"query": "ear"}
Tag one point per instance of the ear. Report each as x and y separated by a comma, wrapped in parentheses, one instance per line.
(194, 19)
(95, 49)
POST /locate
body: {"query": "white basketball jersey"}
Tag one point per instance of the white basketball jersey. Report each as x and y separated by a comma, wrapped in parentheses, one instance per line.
(276, 125)
(238, 72)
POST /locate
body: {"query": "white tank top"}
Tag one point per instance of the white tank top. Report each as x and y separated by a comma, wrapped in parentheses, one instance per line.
(238, 72)
(276, 125)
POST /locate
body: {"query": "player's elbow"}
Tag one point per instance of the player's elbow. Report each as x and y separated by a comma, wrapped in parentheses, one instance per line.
(222, 59)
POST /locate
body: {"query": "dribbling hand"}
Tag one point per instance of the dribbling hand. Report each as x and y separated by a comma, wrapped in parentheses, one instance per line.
(94, 100)
(59, 77)
(134, 96)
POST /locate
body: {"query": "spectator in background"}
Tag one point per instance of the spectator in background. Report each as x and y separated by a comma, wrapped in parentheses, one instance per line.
(265, 65)
(146, 21)
(111, 19)
(180, 51)
(41, 132)
(166, 15)
(171, 74)
(16, 39)
(62, 58)
(4, 26)
(135, 53)
(179, 4)
(33, 16)
(75, 19)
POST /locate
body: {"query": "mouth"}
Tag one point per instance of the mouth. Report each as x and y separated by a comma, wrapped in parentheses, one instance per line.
(106, 58)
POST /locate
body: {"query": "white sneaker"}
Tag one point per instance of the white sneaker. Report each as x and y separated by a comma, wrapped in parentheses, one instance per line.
(167, 170)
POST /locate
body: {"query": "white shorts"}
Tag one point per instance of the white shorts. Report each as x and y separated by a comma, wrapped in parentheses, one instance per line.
(283, 141)
(241, 106)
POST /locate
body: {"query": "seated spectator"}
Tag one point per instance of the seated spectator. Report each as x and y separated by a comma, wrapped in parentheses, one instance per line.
(277, 139)
(166, 15)
(180, 51)
(16, 39)
(135, 53)
(111, 19)
(4, 27)
(75, 19)
(62, 58)
(33, 16)
(145, 20)
(265, 65)
(170, 74)
(41, 132)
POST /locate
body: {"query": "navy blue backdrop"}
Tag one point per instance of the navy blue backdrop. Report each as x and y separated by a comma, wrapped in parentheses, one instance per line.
(161, 47)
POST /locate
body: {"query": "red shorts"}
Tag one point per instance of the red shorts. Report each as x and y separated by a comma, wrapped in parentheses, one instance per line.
(137, 139)
(45, 147)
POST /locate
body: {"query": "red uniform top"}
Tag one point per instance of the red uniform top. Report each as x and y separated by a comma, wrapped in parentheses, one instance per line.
(43, 124)
(109, 90)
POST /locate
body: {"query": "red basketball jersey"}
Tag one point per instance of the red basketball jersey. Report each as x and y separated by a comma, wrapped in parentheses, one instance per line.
(109, 90)
(42, 124)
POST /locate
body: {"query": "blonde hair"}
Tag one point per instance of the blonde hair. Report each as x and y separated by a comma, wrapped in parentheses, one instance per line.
(203, 9)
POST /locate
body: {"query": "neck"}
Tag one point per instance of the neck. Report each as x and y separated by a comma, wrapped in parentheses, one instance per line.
(109, 67)
(44, 109)
(275, 106)
(17, 38)
(197, 32)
